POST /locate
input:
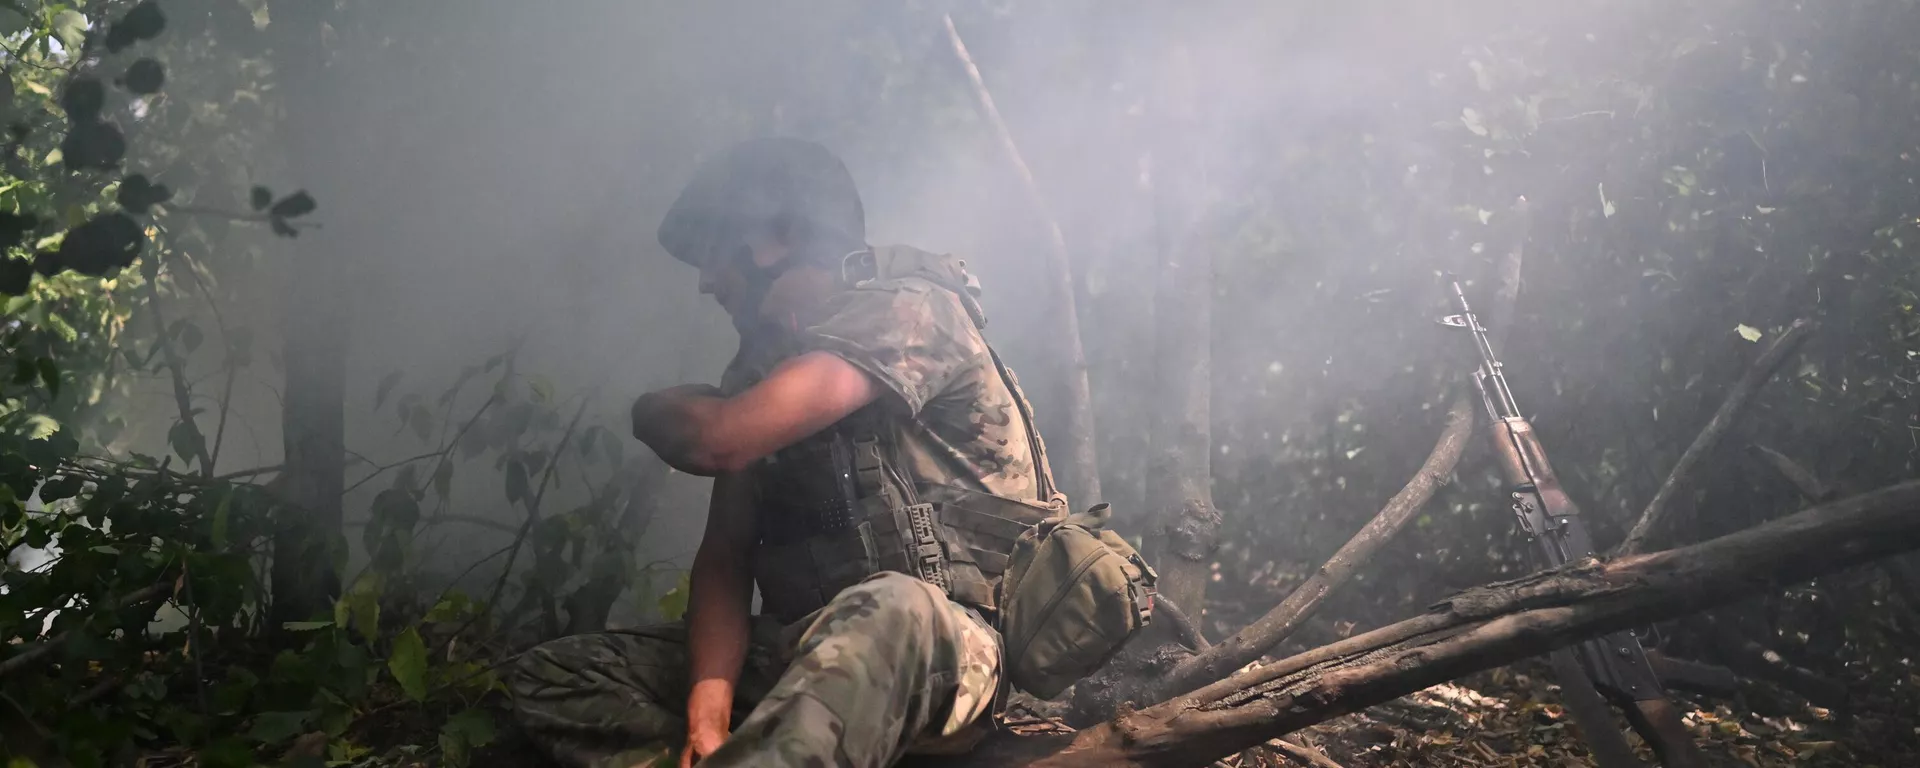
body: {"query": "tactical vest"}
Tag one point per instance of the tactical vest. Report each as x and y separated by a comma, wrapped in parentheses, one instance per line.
(836, 507)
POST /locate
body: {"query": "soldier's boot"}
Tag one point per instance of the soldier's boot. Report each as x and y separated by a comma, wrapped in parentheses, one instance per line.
(890, 665)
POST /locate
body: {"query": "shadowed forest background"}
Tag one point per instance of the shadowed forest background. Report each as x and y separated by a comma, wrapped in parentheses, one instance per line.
(296, 450)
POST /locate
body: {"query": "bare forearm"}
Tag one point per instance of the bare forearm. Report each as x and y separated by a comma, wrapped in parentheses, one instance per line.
(696, 430)
(717, 619)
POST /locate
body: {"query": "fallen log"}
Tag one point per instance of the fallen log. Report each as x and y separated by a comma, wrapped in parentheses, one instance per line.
(1479, 629)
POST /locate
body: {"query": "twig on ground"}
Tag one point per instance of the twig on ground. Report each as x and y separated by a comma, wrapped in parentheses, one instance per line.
(1303, 753)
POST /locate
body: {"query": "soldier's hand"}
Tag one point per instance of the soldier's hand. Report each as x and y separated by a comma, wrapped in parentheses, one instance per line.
(709, 714)
(658, 412)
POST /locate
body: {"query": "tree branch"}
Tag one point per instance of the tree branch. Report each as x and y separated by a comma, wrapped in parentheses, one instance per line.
(1757, 375)
(1287, 617)
(1080, 452)
(177, 369)
(1302, 753)
(1479, 629)
(31, 652)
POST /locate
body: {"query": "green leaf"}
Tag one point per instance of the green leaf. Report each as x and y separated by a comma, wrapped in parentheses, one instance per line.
(517, 481)
(190, 337)
(144, 77)
(387, 384)
(462, 734)
(65, 487)
(13, 18)
(70, 28)
(456, 606)
(360, 606)
(443, 480)
(50, 376)
(673, 604)
(1747, 332)
(293, 206)
(186, 440)
(41, 426)
(222, 516)
(409, 664)
(420, 417)
(271, 728)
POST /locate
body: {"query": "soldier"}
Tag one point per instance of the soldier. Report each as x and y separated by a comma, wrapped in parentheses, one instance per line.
(873, 463)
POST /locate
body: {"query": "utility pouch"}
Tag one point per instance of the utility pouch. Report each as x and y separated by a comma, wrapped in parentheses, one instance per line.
(1072, 595)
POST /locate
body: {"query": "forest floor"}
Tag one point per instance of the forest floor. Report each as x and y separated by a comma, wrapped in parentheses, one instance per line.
(1509, 717)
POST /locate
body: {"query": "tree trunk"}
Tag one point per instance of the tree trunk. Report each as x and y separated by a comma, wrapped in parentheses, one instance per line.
(1479, 629)
(304, 580)
(1179, 473)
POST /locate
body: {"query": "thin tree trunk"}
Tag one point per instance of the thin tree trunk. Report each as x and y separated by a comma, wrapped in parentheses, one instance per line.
(1180, 471)
(304, 582)
(1286, 618)
(1082, 461)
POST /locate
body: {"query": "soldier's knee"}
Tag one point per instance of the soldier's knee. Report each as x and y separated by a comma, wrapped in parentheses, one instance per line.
(900, 592)
(558, 664)
(540, 666)
(897, 607)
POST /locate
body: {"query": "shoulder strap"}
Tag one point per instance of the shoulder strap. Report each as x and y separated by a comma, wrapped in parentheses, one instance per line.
(1042, 469)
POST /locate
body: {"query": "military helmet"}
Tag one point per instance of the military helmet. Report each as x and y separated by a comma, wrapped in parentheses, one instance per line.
(793, 188)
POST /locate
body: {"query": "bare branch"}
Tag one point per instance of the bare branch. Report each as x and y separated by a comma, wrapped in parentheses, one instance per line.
(1080, 452)
(1479, 629)
(1757, 375)
(1287, 617)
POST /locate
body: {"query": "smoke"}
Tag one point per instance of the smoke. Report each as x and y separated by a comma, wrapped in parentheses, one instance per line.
(501, 168)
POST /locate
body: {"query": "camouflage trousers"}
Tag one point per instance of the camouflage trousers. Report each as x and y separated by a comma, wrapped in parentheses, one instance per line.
(889, 666)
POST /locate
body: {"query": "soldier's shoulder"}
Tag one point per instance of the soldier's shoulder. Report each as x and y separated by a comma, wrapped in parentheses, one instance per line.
(908, 284)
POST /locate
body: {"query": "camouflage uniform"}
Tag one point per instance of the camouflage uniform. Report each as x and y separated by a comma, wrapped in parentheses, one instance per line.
(890, 664)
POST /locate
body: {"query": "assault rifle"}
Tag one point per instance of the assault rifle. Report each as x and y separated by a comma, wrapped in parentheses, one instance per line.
(1614, 666)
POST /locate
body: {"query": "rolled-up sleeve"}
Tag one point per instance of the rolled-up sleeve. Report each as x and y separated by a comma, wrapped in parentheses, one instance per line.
(909, 336)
